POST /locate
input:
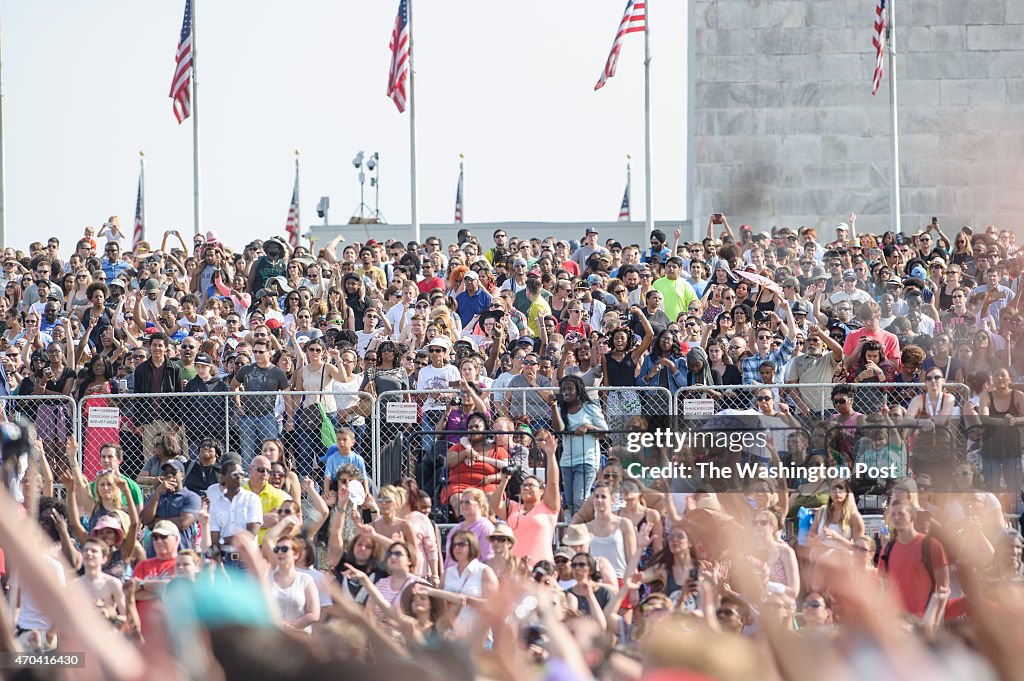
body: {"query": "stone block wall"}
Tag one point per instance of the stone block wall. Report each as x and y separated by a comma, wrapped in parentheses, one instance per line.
(786, 132)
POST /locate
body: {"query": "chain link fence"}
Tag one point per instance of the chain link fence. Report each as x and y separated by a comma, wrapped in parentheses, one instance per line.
(54, 419)
(845, 423)
(150, 429)
(394, 430)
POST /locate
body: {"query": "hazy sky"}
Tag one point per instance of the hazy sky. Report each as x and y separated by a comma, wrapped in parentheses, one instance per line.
(510, 85)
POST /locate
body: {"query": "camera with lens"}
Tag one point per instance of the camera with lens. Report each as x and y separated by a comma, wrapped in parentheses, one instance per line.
(762, 316)
(511, 471)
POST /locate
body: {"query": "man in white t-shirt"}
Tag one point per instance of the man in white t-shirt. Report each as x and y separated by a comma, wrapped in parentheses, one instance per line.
(370, 319)
(439, 374)
(401, 312)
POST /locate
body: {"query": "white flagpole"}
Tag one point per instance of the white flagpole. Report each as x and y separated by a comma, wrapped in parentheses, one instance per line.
(298, 222)
(3, 156)
(142, 192)
(195, 121)
(414, 209)
(629, 184)
(648, 174)
(890, 33)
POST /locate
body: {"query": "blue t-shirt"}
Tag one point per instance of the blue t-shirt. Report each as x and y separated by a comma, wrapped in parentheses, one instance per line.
(334, 460)
(472, 305)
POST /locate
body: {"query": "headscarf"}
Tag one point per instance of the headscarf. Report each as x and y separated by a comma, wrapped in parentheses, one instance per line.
(704, 376)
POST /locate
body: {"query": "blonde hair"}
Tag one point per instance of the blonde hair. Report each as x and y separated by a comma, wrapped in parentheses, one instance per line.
(108, 475)
(397, 495)
(478, 495)
(849, 508)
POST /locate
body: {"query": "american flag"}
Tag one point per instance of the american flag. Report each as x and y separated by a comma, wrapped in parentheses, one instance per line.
(183, 69)
(879, 42)
(624, 209)
(140, 222)
(291, 226)
(632, 22)
(458, 200)
(399, 56)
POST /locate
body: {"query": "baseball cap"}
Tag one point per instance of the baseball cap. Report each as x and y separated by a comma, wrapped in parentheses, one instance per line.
(152, 285)
(919, 272)
(843, 226)
(204, 358)
(274, 324)
(849, 275)
(818, 274)
(264, 293)
(592, 230)
(109, 522)
(175, 464)
(800, 307)
(565, 552)
(519, 261)
(471, 275)
(164, 528)
(468, 340)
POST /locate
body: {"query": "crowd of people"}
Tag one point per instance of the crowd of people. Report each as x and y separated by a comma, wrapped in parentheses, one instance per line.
(231, 478)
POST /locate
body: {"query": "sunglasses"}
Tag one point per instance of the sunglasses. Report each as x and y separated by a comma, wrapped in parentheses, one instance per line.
(261, 469)
(580, 565)
(813, 604)
(282, 549)
(460, 544)
(840, 400)
(395, 554)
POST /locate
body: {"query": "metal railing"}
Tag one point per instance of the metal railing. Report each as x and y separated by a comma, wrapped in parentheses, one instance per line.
(239, 421)
(390, 428)
(55, 419)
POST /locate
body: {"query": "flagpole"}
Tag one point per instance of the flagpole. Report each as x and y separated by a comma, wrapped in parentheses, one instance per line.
(414, 209)
(649, 189)
(142, 191)
(890, 33)
(3, 156)
(195, 120)
(629, 183)
(298, 222)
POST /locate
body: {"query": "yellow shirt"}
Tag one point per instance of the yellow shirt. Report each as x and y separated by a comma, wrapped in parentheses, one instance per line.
(538, 308)
(271, 499)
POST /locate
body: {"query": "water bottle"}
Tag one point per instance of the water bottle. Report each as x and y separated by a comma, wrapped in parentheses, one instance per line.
(805, 518)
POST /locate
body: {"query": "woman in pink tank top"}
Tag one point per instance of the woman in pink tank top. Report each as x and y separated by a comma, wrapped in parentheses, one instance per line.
(533, 520)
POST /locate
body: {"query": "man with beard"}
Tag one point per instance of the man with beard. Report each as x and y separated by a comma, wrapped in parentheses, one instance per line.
(815, 365)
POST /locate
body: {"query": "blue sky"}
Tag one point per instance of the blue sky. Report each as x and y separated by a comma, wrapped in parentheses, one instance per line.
(510, 85)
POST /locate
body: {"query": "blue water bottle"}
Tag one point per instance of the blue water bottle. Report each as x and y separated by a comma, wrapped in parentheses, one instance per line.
(805, 518)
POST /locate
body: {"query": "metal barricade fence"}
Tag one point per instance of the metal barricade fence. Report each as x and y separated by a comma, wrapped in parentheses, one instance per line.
(54, 418)
(811, 406)
(408, 422)
(239, 421)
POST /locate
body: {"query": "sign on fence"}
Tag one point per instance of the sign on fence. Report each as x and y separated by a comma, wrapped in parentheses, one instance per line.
(402, 412)
(104, 417)
(698, 408)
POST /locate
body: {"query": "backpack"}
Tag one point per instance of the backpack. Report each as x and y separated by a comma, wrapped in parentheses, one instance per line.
(926, 556)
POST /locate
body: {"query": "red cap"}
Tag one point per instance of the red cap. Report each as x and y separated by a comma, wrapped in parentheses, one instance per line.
(274, 324)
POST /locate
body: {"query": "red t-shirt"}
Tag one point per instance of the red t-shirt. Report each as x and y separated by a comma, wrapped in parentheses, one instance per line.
(570, 266)
(907, 574)
(152, 568)
(428, 285)
(890, 344)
